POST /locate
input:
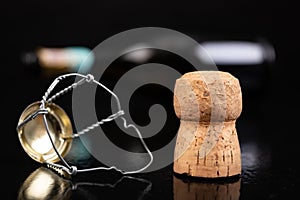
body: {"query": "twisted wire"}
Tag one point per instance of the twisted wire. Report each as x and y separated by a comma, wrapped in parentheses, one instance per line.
(97, 124)
(72, 170)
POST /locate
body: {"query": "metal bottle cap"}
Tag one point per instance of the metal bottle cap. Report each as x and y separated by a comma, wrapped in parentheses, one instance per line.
(45, 130)
(33, 134)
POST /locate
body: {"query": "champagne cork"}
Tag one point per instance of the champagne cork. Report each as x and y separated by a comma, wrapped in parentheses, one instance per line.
(208, 104)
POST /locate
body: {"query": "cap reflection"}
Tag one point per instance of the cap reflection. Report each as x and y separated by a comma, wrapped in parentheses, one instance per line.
(44, 184)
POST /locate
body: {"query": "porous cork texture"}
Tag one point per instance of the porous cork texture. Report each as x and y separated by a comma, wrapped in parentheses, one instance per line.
(208, 104)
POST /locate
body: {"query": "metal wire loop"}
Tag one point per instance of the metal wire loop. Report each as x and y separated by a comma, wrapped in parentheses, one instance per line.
(72, 170)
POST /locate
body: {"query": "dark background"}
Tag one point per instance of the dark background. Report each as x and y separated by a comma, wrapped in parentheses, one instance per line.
(269, 118)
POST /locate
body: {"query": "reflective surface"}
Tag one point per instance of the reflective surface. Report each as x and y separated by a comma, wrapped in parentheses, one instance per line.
(188, 189)
(266, 174)
(46, 184)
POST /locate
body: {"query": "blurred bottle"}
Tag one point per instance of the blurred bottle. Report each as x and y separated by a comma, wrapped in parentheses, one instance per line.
(251, 61)
(67, 59)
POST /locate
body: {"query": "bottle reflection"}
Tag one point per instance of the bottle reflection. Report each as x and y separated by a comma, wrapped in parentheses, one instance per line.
(45, 184)
(198, 190)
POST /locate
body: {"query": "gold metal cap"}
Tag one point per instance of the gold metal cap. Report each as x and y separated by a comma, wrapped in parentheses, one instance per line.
(33, 134)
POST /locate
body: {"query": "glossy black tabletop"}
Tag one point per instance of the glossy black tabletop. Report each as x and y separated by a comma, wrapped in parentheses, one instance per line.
(267, 128)
(269, 169)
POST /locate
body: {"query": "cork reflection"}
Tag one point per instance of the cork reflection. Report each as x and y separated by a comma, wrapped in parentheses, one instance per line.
(192, 189)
